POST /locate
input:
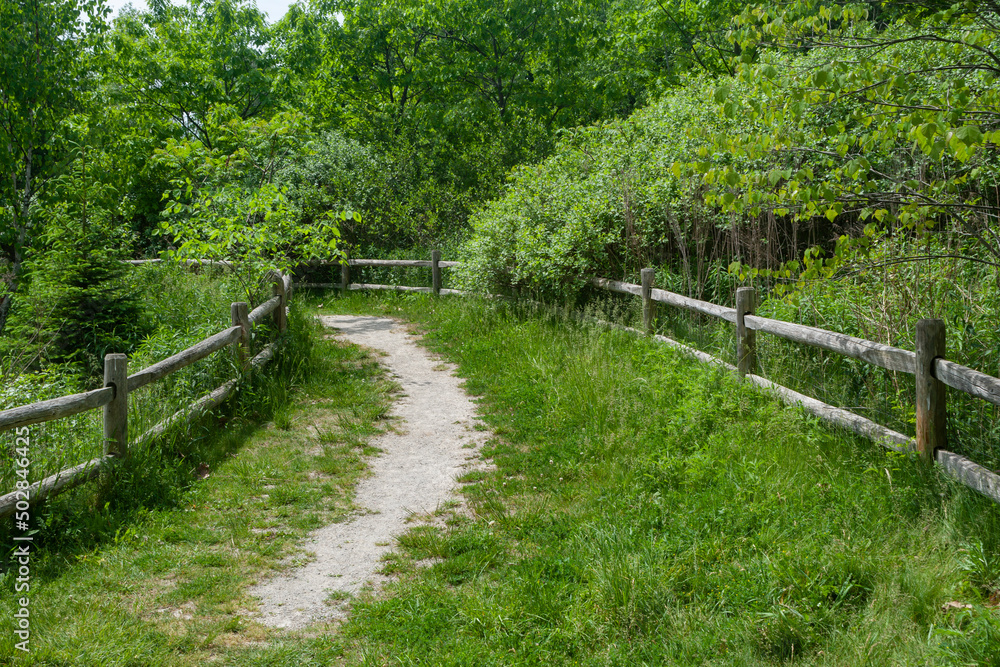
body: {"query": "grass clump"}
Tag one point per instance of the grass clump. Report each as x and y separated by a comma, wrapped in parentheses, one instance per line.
(646, 509)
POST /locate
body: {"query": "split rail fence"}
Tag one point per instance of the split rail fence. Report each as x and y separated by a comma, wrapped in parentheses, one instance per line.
(435, 264)
(933, 372)
(118, 384)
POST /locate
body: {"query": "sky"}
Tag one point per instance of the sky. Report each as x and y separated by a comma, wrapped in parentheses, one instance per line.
(274, 9)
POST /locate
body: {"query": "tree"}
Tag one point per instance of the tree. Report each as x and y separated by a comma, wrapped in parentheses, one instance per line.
(79, 303)
(225, 204)
(890, 123)
(299, 41)
(181, 61)
(44, 51)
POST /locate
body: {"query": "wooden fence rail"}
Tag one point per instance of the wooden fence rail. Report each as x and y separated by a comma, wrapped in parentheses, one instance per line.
(55, 408)
(972, 382)
(113, 397)
(435, 264)
(877, 354)
(933, 373)
(419, 263)
(264, 309)
(703, 307)
(184, 358)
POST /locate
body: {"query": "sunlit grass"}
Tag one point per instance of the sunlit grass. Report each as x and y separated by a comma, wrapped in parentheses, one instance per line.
(158, 573)
(646, 509)
(642, 509)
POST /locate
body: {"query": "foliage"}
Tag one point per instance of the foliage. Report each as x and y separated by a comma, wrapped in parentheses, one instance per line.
(80, 303)
(180, 61)
(804, 161)
(898, 139)
(606, 203)
(44, 56)
(455, 94)
(226, 205)
(733, 172)
(445, 98)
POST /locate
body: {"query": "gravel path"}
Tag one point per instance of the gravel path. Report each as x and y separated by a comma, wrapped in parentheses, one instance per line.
(415, 473)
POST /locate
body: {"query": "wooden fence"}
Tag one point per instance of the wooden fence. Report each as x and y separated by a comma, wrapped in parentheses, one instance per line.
(435, 264)
(932, 371)
(118, 384)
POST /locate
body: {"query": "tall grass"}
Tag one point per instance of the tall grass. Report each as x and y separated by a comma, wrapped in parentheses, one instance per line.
(182, 309)
(646, 509)
(187, 308)
(879, 304)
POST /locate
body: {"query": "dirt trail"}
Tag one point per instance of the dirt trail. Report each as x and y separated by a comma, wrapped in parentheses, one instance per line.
(415, 473)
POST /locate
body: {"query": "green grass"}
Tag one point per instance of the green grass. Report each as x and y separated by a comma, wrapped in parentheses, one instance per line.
(646, 509)
(641, 509)
(153, 569)
(880, 306)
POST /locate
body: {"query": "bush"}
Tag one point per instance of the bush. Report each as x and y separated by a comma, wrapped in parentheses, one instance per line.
(606, 203)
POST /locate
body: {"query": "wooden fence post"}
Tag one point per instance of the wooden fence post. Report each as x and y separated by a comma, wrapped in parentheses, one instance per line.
(648, 305)
(746, 339)
(345, 275)
(241, 319)
(278, 289)
(436, 271)
(932, 414)
(116, 412)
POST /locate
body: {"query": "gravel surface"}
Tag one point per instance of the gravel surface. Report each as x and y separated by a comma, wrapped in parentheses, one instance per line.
(415, 474)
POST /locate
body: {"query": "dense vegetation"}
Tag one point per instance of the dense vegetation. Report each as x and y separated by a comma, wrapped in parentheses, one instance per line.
(840, 156)
(203, 130)
(787, 146)
(846, 167)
